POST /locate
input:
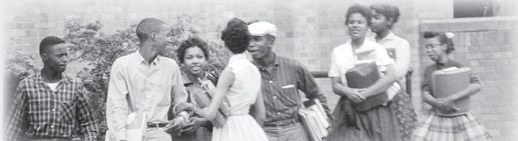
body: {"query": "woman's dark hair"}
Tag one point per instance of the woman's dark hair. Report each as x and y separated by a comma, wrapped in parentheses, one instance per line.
(357, 8)
(443, 38)
(236, 36)
(192, 42)
(389, 11)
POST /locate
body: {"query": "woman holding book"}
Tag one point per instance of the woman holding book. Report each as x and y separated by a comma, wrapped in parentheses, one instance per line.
(240, 84)
(384, 16)
(447, 122)
(193, 56)
(375, 123)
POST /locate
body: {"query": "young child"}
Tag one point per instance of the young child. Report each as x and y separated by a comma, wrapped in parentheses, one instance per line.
(458, 127)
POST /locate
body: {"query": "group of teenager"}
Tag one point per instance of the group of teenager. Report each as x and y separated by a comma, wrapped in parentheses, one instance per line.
(50, 105)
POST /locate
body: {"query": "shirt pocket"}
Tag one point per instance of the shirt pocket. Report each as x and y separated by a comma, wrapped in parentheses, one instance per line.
(289, 95)
(67, 111)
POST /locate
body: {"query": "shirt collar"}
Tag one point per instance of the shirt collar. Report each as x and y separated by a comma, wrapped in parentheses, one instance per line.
(390, 36)
(275, 61)
(442, 65)
(141, 59)
(64, 78)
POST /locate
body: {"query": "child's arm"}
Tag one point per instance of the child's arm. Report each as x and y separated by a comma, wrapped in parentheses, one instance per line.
(444, 105)
(470, 90)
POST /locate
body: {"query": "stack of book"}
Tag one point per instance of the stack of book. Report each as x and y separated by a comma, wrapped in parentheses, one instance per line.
(314, 119)
(203, 99)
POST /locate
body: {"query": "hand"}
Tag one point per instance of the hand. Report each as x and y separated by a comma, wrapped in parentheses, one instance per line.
(174, 126)
(195, 123)
(212, 77)
(356, 97)
(184, 107)
(447, 105)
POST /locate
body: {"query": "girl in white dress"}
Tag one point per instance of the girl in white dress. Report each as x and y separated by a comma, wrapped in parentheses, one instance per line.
(240, 84)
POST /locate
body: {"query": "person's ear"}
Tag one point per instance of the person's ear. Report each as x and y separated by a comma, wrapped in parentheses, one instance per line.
(444, 47)
(389, 22)
(153, 36)
(44, 56)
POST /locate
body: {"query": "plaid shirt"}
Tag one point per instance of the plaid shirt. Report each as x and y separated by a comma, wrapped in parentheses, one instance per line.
(38, 112)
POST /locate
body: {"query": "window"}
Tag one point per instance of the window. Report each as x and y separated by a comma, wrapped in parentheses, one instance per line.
(473, 8)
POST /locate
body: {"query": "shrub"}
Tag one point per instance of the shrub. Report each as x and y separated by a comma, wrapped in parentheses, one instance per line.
(98, 50)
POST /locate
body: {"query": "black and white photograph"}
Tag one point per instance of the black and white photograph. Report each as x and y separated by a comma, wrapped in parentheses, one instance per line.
(259, 70)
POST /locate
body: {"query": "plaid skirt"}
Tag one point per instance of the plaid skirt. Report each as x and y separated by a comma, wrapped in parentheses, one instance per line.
(455, 128)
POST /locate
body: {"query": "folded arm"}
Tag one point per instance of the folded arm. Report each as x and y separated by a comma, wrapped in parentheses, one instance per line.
(382, 84)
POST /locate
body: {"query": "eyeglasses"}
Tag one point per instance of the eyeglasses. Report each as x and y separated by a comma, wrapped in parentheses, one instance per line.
(430, 46)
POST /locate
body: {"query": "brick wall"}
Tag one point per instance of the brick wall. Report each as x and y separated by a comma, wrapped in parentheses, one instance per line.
(308, 30)
(489, 47)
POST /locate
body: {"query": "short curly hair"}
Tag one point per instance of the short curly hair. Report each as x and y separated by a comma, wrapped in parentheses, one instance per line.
(189, 43)
(362, 10)
(236, 36)
(442, 38)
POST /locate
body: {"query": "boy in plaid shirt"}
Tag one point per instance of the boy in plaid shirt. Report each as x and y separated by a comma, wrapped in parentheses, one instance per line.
(50, 105)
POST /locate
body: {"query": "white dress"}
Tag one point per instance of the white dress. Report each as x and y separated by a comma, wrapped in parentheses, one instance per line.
(240, 126)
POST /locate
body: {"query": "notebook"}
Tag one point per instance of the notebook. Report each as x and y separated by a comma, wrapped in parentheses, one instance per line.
(203, 99)
(450, 81)
(314, 119)
(363, 76)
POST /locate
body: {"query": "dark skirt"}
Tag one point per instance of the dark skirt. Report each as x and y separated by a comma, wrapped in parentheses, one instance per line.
(201, 134)
(395, 121)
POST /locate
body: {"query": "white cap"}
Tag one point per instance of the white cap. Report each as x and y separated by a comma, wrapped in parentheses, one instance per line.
(262, 28)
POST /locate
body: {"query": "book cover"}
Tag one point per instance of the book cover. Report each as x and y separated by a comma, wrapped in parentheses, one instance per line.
(450, 81)
(363, 76)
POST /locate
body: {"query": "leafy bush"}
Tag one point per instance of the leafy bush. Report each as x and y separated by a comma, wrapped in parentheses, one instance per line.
(98, 50)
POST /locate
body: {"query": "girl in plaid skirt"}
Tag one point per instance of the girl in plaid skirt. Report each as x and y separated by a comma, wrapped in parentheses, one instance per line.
(455, 126)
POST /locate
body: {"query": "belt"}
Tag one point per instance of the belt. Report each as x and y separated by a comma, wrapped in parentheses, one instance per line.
(155, 125)
(282, 123)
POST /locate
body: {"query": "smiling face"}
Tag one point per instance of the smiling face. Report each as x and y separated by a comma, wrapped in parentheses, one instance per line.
(357, 26)
(161, 39)
(435, 49)
(56, 57)
(260, 46)
(195, 60)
